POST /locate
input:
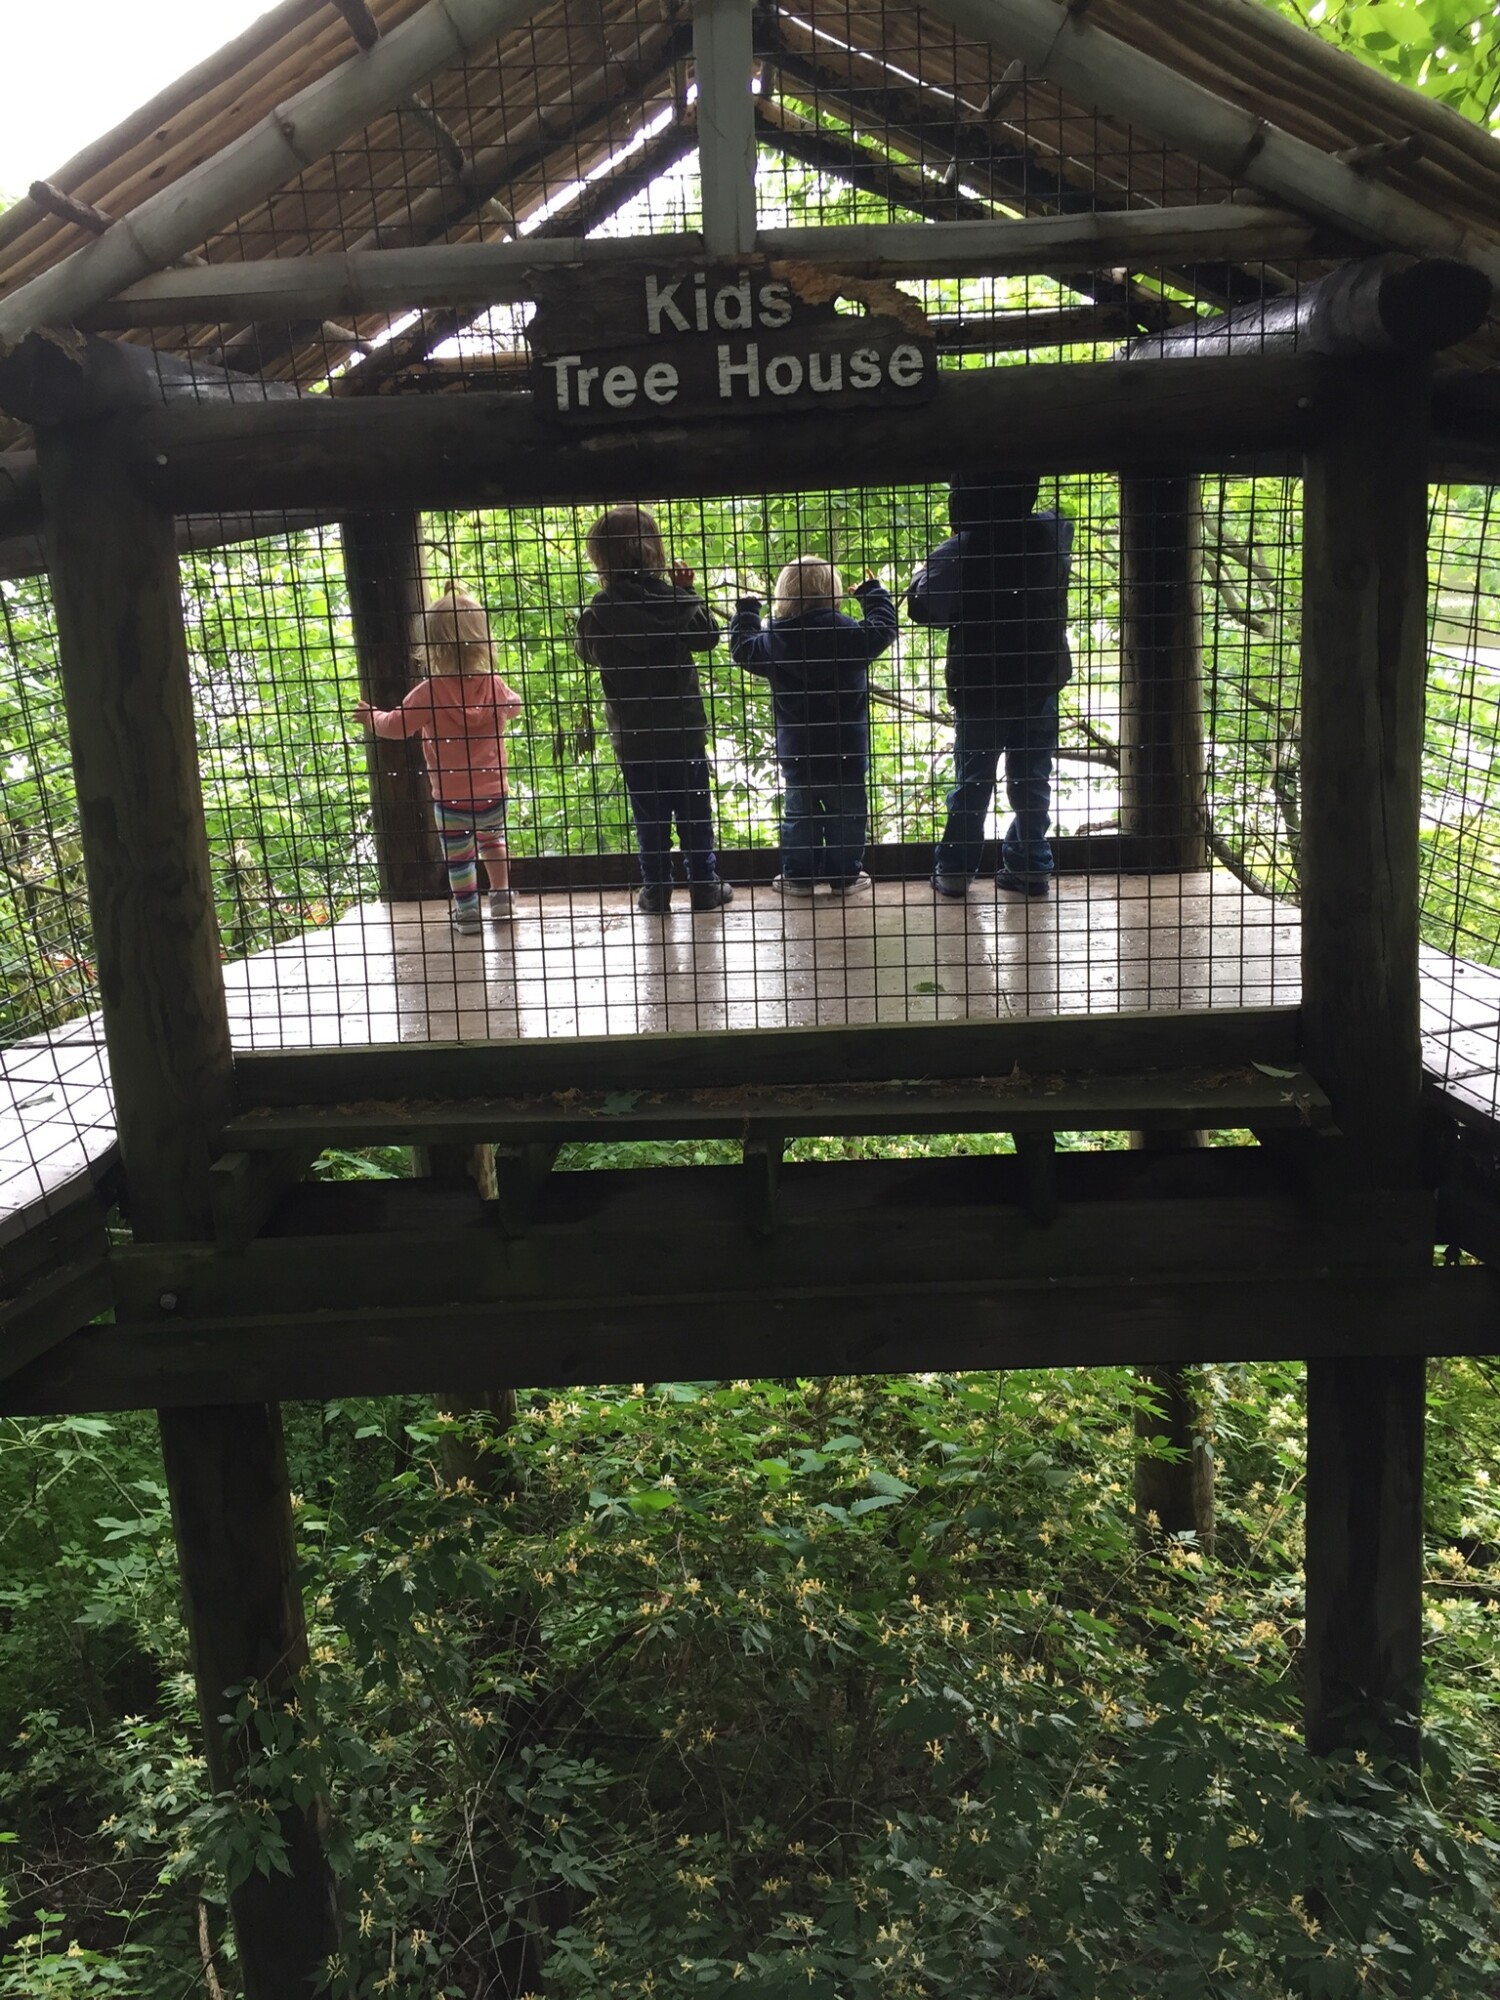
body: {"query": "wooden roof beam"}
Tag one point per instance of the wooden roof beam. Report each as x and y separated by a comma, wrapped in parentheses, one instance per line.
(293, 136)
(349, 285)
(1062, 46)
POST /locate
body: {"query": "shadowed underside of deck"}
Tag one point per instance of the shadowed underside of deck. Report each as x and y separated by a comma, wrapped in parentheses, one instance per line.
(589, 963)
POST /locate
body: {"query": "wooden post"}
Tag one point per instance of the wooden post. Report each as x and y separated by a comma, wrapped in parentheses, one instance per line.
(1162, 801)
(113, 561)
(460, 1457)
(1364, 663)
(723, 58)
(1173, 1496)
(1161, 668)
(383, 565)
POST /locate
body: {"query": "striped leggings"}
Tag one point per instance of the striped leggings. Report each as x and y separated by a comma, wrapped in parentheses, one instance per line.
(470, 829)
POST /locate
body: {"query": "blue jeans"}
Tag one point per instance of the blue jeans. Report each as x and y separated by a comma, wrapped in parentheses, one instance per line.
(1028, 744)
(824, 812)
(664, 790)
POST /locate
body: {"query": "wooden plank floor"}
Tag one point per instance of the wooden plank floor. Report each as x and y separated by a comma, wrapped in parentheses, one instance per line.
(591, 964)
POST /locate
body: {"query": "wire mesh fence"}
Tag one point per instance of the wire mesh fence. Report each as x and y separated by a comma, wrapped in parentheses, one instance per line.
(1172, 767)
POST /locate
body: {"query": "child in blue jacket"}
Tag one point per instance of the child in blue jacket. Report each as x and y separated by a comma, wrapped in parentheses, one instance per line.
(818, 664)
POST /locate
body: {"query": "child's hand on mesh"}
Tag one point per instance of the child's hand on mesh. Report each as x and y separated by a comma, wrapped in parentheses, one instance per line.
(363, 714)
(682, 576)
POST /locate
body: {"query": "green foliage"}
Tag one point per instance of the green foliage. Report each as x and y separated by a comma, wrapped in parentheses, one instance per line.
(1448, 49)
(849, 1687)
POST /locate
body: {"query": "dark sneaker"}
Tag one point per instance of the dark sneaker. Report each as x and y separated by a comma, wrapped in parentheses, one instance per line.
(655, 898)
(1021, 885)
(856, 887)
(502, 903)
(954, 886)
(710, 895)
(788, 885)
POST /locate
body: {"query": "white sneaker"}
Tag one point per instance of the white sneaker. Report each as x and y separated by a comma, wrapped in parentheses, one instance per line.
(502, 902)
(785, 886)
(857, 887)
(467, 919)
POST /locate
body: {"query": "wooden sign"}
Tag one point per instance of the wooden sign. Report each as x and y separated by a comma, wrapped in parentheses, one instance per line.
(729, 342)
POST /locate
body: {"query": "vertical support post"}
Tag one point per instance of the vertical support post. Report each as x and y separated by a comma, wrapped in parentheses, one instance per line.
(1364, 666)
(113, 561)
(723, 63)
(461, 1457)
(383, 566)
(1163, 802)
(1161, 669)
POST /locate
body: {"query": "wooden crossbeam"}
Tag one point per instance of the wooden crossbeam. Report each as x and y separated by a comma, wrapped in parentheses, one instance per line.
(50, 1310)
(496, 450)
(924, 1324)
(350, 284)
(1100, 1044)
(1033, 1106)
(837, 1225)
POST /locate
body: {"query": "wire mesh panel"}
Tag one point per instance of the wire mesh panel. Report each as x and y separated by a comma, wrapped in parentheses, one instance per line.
(1159, 808)
(56, 1127)
(339, 912)
(1461, 790)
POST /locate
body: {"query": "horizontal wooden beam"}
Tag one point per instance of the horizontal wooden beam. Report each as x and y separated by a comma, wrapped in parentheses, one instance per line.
(877, 1052)
(27, 554)
(349, 285)
(51, 1309)
(865, 1224)
(1166, 1100)
(851, 1330)
(496, 450)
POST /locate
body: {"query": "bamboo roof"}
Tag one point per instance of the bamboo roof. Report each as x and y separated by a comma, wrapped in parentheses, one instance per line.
(499, 141)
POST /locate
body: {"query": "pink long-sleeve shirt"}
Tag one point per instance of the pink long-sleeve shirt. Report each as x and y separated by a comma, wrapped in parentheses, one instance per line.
(461, 719)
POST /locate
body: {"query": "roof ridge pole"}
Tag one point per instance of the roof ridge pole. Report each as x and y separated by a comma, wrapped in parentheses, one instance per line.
(724, 64)
(1065, 48)
(292, 136)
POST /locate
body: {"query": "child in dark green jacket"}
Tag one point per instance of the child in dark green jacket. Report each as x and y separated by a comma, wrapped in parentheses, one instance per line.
(641, 633)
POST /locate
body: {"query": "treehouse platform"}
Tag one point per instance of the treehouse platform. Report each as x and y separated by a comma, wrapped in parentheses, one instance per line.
(583, 964)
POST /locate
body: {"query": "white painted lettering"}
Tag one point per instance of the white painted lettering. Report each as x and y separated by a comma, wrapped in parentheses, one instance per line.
(560, 365)
(864, 368)
(748, 370)
(619, 387)
(661, 303)
(585, 377)
(906, 366)
(660, 383)
(700, 302)
(784, 375)
(732, 308)
(775, 304)
(825, 372)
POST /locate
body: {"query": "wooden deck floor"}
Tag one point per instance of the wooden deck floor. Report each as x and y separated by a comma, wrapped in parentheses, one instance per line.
(591, 964)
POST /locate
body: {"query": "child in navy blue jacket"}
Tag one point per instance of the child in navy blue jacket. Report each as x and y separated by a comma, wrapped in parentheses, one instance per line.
(1000, 585)
(818, 664)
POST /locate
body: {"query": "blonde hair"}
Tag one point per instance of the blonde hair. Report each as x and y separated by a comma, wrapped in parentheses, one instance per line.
(453, 635)
(806, 584)
(627, 540)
